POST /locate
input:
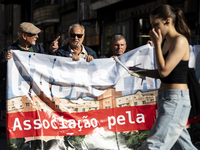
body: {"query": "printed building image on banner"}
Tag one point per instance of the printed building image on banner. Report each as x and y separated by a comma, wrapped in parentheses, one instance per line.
(105, 101)
(57, 103)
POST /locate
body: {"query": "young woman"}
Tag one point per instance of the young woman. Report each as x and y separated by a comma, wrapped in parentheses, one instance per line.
(170, 36)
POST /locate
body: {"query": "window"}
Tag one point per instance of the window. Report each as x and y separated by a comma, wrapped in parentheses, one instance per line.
(76, 109)
(143, 30)
(135, 103)
(27, 104)
(143, 102)
(122, 28)
(57, 106)
(83, 110)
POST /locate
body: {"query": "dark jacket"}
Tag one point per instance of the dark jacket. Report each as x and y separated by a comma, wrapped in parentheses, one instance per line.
(194, 88)
(3, 65)
(64, 51)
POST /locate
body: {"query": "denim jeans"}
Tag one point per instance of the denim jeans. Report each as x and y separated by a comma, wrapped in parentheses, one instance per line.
(169, 130)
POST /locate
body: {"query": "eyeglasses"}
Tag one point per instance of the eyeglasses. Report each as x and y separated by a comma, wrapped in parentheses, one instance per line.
(74, 35)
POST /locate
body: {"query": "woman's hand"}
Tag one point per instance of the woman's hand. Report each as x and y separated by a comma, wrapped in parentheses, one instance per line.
(150, 42)
(134, 68)
(156, 37)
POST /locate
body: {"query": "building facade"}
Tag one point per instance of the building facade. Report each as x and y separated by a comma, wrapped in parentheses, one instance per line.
(101, 19)
(131, 19)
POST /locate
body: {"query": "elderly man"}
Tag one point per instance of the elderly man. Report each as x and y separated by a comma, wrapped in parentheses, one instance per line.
(118, 46)
(74, 48)
(27, 34)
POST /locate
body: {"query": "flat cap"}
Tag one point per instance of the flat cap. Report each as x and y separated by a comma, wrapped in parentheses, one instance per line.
(28, 27)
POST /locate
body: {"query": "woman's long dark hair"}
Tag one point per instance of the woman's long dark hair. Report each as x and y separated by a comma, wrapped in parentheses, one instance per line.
(167, 11)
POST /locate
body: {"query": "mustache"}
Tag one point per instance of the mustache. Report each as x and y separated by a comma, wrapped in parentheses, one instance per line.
(77, 42)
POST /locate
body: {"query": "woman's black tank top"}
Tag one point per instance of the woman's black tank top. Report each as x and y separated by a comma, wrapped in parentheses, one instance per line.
(178, 74)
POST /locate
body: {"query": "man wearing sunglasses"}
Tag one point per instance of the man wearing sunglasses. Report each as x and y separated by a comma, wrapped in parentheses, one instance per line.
(74, 48)
(27, 36)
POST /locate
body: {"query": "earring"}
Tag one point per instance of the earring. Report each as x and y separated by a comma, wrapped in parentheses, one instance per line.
(167, 22)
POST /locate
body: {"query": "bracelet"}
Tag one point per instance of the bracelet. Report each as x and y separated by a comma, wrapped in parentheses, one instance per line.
(157, 43)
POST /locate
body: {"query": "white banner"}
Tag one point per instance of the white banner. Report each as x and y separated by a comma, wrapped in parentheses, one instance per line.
(54, 100)
(73, 79)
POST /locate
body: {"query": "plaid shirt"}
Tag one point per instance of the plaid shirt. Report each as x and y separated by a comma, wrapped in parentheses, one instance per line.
(82, 54)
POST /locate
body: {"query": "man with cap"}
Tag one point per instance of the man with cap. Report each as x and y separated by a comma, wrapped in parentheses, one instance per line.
(27, 36)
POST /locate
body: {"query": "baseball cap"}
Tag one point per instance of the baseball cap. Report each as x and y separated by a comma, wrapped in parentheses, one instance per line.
(28, 27)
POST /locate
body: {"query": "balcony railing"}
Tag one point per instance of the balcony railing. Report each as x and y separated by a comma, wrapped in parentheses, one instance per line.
(13, 1)
(41, 3)
(46, 12)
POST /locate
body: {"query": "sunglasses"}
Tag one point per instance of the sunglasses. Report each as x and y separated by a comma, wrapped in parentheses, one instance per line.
(30, 34)
(74, 35)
